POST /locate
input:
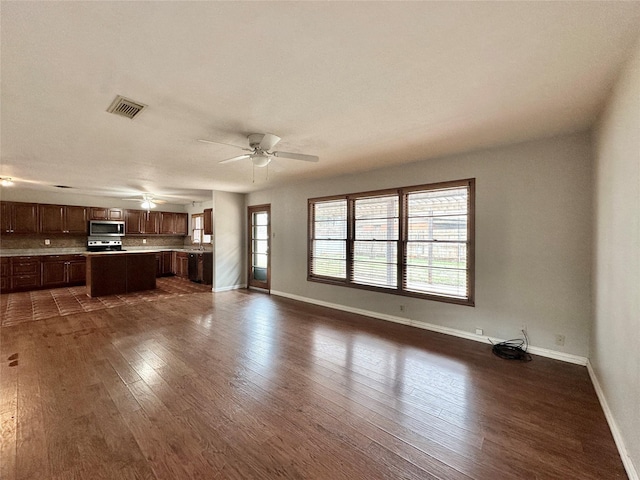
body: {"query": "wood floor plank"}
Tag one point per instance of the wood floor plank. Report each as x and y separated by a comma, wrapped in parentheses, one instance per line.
(244, 385)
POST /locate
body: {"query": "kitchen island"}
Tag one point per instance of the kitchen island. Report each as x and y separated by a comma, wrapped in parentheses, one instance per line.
(111, 273)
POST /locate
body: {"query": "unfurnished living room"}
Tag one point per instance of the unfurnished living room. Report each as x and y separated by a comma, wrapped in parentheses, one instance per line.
(319, 240)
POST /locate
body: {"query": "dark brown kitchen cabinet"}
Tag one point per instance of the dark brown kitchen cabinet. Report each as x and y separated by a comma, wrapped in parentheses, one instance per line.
(173, 223)
(164, 263)
(181, 264)
(18, 218)
(24, 273)
(4, 274)
(63, 270)
(100, 213)
(208, 221)
(141, 222)
(65, 219)
(120, 273)
(133, 221)
(181, 225)
(167, 222)
(151, 222)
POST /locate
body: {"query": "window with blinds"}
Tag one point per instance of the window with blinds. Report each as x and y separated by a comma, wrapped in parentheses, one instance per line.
(328, 250)
(436, 245)
(415, 241)
(375, 243)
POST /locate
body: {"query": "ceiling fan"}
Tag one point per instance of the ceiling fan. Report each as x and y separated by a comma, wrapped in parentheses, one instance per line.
(260, 150)
(147, 201)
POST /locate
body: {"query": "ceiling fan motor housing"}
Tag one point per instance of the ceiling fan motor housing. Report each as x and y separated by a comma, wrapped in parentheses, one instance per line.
(255, 139)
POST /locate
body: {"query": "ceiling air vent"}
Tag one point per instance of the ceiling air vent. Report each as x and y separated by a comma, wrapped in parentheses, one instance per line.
(125, 107)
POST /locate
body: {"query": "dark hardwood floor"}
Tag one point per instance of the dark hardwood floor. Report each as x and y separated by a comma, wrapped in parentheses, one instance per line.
(241, 385)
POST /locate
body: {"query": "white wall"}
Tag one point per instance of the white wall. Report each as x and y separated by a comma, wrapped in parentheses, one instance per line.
(533, 241)
(229, 219)
(615, 344)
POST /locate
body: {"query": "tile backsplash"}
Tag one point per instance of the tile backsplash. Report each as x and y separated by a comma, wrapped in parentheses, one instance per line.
(38, 242)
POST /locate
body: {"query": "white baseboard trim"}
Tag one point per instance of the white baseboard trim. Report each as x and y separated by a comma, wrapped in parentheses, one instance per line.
(543, 352)
(613, 426)
(227, 289)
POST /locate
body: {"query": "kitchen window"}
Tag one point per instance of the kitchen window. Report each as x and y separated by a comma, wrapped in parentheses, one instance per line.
(415, 241)
(197, 230)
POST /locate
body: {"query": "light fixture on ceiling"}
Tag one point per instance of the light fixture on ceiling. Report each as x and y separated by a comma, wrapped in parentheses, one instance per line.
(260, 159)
(147, 204)
(6, 181)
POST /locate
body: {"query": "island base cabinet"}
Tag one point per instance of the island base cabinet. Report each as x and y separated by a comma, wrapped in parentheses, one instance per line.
(106, 275)
(141, 272)
(120, 273)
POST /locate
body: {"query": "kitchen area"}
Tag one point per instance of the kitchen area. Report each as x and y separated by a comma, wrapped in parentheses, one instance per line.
(111, 250)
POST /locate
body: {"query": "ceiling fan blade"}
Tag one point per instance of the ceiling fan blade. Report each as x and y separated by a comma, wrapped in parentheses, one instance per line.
(235, 159)
(222, 143)
(269, 141)
(297, 156)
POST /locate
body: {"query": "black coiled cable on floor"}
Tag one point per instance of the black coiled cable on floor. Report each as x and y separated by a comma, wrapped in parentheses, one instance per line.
(515, 349)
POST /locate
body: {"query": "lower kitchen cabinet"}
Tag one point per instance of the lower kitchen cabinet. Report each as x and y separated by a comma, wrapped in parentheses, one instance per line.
(164, 263)
(120, 273)
(63, 270)
(181, 264)
(5, 273)
(23, 273)
(41, 271)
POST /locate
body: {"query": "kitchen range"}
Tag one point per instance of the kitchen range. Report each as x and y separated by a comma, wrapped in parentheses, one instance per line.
(105, 236)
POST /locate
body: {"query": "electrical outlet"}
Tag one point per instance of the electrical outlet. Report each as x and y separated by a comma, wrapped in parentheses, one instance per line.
(144, 240)
(47, 241)
(402, 308)
(479, 331)
(559, 339)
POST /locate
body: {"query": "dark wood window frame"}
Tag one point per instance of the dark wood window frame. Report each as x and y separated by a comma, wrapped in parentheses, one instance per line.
(342, 234)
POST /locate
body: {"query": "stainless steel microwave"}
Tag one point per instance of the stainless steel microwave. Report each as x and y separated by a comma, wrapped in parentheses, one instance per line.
(101, 228)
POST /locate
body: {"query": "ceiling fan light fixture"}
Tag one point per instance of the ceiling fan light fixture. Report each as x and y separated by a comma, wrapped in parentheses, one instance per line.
(260, 159)
(6, 181)
(148, 204)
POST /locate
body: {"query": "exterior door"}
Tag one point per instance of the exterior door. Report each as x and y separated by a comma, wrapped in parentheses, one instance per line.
(259, 247)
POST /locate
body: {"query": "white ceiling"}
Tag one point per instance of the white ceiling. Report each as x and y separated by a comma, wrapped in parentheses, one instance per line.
(363, 85)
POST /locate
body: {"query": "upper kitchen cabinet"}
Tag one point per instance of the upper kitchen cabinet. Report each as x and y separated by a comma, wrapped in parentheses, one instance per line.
(151, 222)
(99, 213)
(208, 221)
(141, 222)
(133, 221)
(64, 219)
(18, 218)
(182, 224)
(173, 223)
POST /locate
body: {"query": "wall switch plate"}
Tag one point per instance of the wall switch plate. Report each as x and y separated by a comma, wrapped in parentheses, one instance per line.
(479, 331)
(47, 241)
(144, 240)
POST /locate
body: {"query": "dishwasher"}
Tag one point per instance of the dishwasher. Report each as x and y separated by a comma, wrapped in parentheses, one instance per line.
(193, 268)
